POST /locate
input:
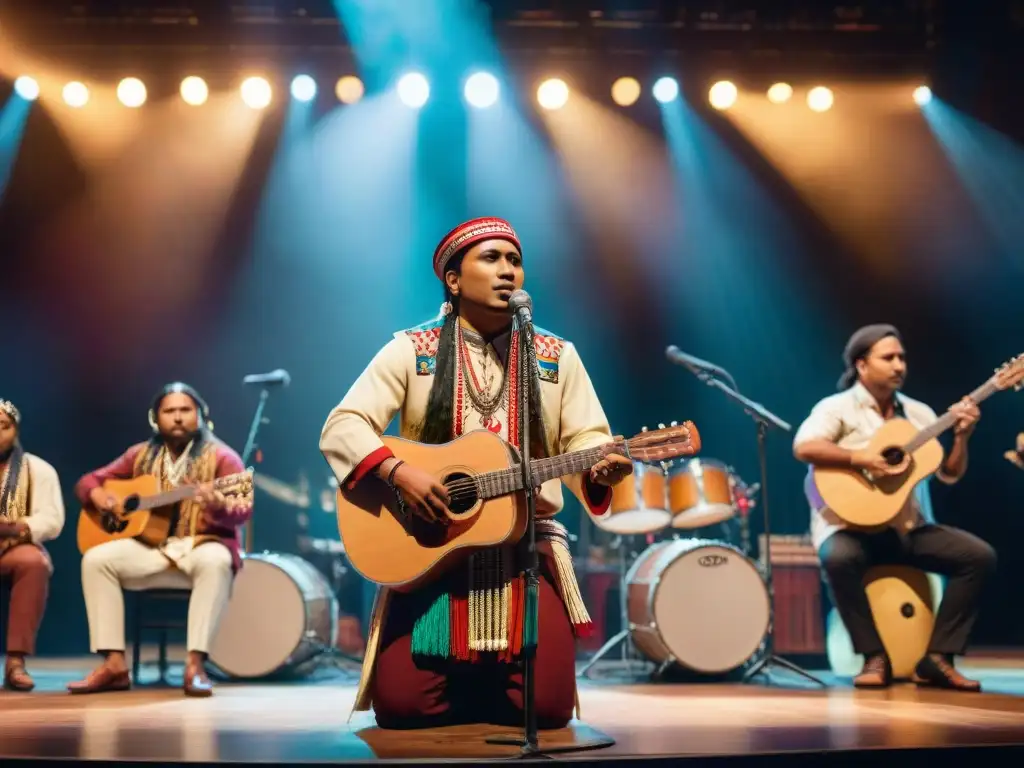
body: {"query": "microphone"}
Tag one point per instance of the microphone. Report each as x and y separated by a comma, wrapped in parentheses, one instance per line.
(695, 364)
(522, 306)
(280, 376)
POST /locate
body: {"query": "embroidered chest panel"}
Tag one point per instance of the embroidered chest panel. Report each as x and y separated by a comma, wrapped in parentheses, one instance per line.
(426, 338)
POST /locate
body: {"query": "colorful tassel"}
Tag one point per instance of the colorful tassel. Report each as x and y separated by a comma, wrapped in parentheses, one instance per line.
(431, 634)
(532, 618)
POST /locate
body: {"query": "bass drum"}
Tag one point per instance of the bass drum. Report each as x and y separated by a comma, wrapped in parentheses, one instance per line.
(282, 614)
(700, 603)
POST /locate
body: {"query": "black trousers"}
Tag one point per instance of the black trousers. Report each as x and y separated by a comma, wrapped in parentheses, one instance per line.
(962, 557)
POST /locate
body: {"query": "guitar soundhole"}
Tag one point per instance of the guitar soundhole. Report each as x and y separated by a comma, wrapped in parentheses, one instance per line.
(461, 492)
(893, 456)
(907, 610)
(131, 503)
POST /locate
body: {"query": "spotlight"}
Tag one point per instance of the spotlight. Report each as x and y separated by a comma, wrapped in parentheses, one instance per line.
(304, 88)
(665, 89)
(722, 95)
(76, 94)
(820, 99)
(349, 89)
(553, 94)
(481, 89)
(413, 90)
(194, 91)
(27, 88)
(780, 93)
(256, 92)
(922, 95)
(626, 91)
(131, 92)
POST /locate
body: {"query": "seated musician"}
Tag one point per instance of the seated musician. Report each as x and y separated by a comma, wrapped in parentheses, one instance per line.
(834, 435)
(424, 665)
(202, 552)
(31, 513)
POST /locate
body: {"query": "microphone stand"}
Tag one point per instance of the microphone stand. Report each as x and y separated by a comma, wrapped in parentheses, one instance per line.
(250, 447)
(528, 742)
(764, 419)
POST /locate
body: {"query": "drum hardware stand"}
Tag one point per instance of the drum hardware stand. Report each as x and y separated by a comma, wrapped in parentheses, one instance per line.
(763, 418)
(522, 306)
(622, 638)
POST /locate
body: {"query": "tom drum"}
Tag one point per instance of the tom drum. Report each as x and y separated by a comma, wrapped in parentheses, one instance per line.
(282, 613)
(638, 503)
(702, 604)
(700, 493)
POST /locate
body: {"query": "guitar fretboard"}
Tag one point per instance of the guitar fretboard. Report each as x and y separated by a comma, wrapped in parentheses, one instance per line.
(182, 492)
(505, 481)
(949, 418)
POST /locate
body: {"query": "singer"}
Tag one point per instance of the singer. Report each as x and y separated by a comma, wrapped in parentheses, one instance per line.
(433, 657)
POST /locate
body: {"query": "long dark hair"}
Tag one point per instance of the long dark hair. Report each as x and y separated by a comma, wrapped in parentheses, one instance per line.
(15, 463)
(439, 421)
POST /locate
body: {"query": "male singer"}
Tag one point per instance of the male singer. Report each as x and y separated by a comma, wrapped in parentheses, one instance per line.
(427, 663)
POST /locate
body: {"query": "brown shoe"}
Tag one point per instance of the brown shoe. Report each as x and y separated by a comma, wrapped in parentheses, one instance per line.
(17, 678)
(876, 672)
(101, 680)
(937, 670)
(197, 684)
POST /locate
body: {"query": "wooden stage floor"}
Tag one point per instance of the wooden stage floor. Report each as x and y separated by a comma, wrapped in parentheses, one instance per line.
(307, 721)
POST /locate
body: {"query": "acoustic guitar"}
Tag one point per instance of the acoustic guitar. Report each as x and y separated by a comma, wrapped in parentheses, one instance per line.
(484, 481)
(860, 498)
(143, 512)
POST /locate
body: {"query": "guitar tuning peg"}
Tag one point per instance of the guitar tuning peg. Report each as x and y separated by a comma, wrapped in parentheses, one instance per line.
(644, 429)
(674, 424)
(661, 426)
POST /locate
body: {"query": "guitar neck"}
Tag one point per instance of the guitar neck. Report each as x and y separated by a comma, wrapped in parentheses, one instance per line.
(949, 418)
(505, 481)
(166, 498)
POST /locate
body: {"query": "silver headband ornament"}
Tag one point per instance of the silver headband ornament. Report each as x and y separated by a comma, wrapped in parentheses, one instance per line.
(8, 407)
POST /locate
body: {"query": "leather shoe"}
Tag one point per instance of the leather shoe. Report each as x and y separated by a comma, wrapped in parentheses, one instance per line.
(876, 672)
(17, 678)
(197, 683)
(937, 670)
(101, 680)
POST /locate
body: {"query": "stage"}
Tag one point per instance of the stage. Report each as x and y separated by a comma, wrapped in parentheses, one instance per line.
(307, 721)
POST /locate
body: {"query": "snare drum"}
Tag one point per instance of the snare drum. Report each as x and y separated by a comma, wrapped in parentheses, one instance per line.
(282, 613)
(700, 493)
(638, 503)
(700, 603)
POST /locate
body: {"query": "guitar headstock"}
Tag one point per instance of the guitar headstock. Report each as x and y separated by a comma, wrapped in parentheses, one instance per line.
(1010, 374)
(663, 443)
(238, 484)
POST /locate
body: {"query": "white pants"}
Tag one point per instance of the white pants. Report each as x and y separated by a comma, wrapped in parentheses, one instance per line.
(130, 564)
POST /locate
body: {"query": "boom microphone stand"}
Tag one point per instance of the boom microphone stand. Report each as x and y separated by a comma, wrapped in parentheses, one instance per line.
(266, 380)
(763, 419)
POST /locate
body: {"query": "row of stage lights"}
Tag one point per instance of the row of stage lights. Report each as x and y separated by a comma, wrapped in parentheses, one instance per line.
(481, 90)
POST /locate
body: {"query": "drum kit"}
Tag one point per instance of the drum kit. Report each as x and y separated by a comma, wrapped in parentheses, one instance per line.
(283, 615)
(689, 600)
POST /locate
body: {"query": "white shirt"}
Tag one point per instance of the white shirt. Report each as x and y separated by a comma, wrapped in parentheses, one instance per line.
(850, 419)
(46, 515)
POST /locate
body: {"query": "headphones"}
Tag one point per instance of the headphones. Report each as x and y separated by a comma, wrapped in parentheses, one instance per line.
(185, 389)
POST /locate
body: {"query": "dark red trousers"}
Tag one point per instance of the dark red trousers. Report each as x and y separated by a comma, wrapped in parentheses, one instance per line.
(28, 569)
(418, 693)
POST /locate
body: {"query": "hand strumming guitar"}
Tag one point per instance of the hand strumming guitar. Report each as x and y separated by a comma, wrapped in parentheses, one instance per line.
(423, 494)
(103, 500)
(876, 464)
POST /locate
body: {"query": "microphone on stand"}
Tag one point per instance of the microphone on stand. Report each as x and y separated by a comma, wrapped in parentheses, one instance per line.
(280, 376)
(522, 306)
(695, 364)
